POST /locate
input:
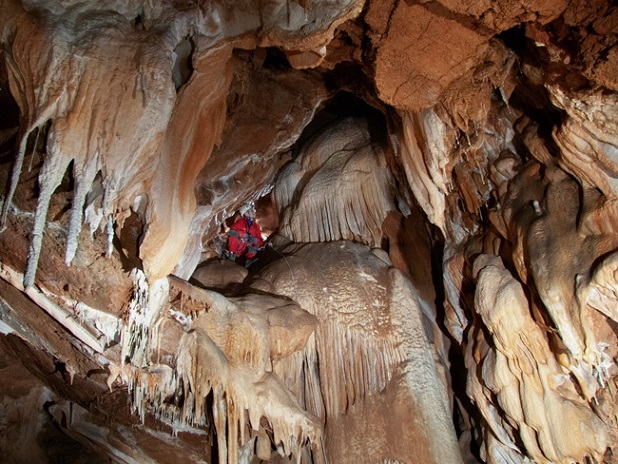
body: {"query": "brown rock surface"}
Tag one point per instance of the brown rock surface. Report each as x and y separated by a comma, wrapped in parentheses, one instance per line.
(420, 51)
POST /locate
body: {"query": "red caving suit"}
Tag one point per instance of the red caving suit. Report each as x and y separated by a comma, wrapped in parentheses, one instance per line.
(244, 238)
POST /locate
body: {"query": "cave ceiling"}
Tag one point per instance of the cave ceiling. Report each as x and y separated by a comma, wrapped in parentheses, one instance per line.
(438, 184)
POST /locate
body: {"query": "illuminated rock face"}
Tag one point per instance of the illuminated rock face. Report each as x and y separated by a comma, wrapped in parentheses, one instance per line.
(440, 182)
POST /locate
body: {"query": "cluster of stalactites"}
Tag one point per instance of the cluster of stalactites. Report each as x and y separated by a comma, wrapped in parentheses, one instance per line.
(206, 345)
(103, 79)
(102, 104)
(370, 340)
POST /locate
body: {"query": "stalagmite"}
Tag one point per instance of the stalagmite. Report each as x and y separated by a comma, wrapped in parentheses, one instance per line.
(369, 339)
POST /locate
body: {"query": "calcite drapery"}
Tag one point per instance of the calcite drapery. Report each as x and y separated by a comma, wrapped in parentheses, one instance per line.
(529, 385)
(337, 188)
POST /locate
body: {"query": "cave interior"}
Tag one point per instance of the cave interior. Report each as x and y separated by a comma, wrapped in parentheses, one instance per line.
(436, 186)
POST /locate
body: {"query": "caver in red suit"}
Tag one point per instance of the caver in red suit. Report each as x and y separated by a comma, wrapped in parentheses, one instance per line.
(245, 237)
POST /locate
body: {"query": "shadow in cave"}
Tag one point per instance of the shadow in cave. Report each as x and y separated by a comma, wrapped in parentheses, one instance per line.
(531, 98)
(344, 105)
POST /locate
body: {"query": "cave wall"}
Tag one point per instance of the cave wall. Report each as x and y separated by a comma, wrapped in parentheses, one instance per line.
(468, 150)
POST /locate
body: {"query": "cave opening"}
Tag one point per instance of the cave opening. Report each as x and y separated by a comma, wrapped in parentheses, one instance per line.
(530, 97)
(182, 67)
(9, 118)
(273, 58)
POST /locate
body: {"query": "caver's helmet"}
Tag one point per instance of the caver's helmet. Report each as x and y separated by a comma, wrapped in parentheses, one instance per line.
(244, 209)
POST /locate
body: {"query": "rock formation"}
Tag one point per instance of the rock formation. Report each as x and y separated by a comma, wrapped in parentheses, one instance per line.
(437, 183)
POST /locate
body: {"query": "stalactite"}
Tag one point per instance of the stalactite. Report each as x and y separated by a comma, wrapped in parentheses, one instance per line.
(38, 101)
(49, 179)
(56, 74)
(16, 172)
(84, 178)
(351, 366)
(140, 331)
(224, 350)
(587, 138)
(203, 367)
(424, 147)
